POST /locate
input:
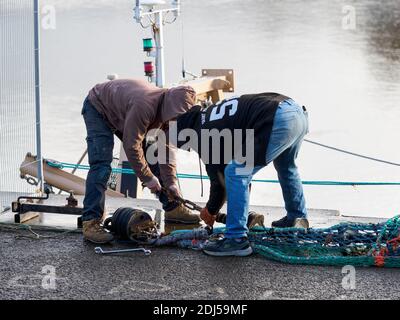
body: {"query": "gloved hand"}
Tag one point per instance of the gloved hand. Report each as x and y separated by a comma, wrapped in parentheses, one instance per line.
(175, 191)
(207, 217)
(154, 185)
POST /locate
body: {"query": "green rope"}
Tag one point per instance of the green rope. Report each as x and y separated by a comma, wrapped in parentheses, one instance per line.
(64, 165)
(319, 260)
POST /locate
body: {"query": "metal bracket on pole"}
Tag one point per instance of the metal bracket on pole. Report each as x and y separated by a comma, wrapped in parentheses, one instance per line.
(150, 8)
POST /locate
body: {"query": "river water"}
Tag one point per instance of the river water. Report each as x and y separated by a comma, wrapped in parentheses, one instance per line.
(348, 79)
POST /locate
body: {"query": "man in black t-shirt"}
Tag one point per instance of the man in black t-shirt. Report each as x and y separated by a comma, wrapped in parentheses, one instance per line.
(235, 139)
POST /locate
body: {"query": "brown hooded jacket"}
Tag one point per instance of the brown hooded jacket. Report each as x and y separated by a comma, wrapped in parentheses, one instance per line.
(132, 108)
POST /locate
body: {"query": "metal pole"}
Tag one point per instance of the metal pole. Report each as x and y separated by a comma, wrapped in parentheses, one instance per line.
(38, 94)
(138, 10)
(159, 38)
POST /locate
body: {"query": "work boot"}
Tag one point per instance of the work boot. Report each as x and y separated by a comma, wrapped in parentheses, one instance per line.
(255, 219)
(182, 215)
(94, 232)
(291, 223)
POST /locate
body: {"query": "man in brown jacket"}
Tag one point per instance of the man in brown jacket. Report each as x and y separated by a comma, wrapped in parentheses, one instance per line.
(129, 109)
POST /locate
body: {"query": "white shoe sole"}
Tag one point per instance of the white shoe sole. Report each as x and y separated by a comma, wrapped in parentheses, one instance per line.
(239, 253)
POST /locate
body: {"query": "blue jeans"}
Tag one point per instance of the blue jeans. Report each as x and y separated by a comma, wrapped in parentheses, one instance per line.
(289, 129)
(100, 142)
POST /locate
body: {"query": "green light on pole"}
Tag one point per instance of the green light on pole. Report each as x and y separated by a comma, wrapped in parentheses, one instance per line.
(148, 45)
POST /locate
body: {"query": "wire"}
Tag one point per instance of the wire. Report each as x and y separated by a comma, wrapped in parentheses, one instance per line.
(352, 153)
(201, 179)
(148, 25)
(183, 48)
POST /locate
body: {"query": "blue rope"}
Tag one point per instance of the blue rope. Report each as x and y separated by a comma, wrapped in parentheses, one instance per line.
(64, 165)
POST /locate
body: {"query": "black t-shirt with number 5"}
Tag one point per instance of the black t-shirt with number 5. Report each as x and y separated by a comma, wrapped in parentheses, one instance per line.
(238, 128)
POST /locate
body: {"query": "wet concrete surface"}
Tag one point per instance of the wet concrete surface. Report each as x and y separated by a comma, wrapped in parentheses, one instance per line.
(169, 273)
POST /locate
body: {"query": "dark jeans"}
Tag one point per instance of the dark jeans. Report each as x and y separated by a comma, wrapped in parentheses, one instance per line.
(100, 142)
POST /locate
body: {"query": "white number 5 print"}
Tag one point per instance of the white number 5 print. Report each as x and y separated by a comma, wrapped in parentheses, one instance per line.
(219, 111)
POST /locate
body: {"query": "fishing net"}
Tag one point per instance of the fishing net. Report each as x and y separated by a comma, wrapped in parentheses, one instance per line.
(344, 244)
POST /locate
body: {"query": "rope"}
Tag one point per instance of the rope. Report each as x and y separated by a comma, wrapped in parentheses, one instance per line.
(183, 48)
(352, 153)
(32, 230)
(64, 165)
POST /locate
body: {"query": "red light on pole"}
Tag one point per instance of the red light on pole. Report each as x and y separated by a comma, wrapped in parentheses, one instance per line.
(149, 68)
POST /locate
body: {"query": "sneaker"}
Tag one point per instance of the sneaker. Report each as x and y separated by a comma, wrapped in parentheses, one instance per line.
(255, 219)
(94, 232)
(228, 247)
(182, 215)
(291, 223)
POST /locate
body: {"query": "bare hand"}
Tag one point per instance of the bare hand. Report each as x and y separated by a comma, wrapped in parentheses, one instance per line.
(207, 217)
(154, 185)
